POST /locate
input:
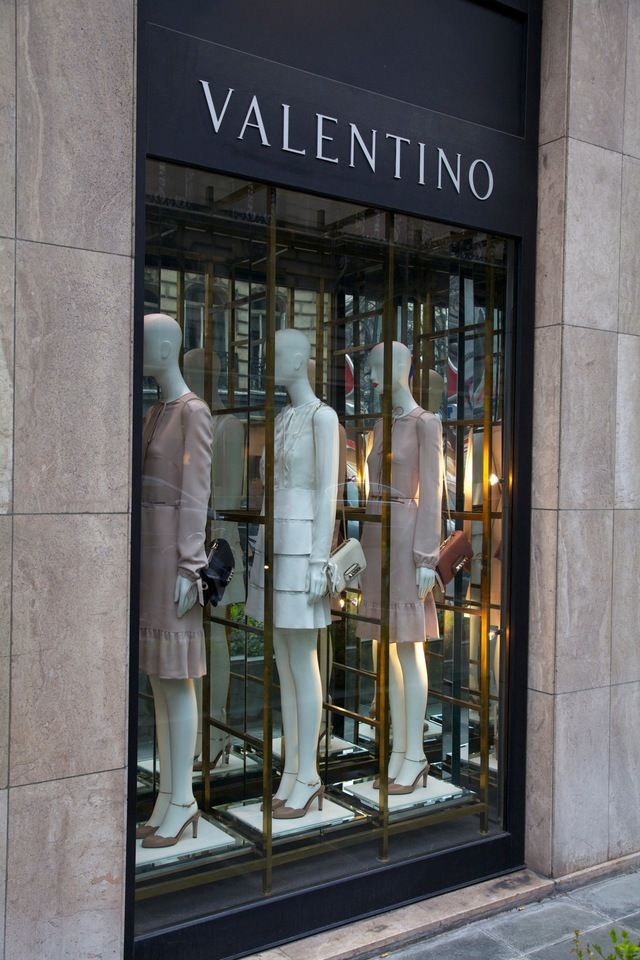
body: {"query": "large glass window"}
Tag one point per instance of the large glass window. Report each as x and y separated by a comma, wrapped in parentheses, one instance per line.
(345, 369)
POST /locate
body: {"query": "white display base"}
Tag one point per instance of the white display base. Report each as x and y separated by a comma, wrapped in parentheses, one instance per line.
(474, 759)
(332, 813)
(436, 791)
(367, 732)
(235, 765)
(210, 838)
(336, 746)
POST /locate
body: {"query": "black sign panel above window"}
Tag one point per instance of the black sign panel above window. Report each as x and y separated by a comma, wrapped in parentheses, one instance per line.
(218, 108)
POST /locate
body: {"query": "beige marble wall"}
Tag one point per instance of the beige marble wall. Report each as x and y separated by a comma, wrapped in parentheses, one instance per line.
(66, 266)
(584, 670)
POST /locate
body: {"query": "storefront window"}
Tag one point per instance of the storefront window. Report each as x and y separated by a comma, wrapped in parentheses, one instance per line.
(345, 369)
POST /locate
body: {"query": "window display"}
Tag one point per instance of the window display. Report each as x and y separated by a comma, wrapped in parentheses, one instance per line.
(317, 370)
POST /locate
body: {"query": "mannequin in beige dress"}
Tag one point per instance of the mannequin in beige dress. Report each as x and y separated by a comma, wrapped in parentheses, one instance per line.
(408, 680)
(174, 696)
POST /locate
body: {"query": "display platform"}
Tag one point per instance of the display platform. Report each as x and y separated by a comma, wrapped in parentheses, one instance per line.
(332, 814)
(436, 791)
(474, 759)
(211, 838)
(234, 764)
(432, 731)
(337, 747)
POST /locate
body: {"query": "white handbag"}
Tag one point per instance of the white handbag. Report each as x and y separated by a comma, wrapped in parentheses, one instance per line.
(344, 566)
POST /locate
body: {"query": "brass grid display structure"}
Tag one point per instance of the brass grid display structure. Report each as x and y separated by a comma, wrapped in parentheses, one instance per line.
(424, 337)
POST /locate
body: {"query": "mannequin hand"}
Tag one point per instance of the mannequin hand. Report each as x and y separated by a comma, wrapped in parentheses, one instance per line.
(316, 585)
(185, 594)
(425, 581)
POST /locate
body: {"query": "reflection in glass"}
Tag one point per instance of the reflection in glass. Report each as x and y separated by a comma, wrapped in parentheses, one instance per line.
(386, 689)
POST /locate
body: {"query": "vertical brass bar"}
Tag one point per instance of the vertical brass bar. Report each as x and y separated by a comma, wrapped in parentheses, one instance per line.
(319, 384)
(206, 680)
(416, 352)
(180, 303)
(269, 414)
(486, 542)
(291, 307)
(382, 706)
(231, 346)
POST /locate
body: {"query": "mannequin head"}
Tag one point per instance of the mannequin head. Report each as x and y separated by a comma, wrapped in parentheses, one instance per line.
(293, 351)
(162, 342)
(193, 368)
(400, 366)
(436, 391)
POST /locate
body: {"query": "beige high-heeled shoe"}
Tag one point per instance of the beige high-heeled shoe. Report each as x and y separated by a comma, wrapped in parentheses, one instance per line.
(395, 789)
(144, 830)
(293, 813)
(156, 841)
(376, 782)
(277, 802)
(223, 755)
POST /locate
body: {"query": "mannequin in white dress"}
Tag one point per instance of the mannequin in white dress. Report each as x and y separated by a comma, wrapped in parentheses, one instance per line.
(305, 479)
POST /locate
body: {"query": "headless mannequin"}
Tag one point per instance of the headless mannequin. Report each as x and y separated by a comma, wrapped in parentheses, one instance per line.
(296, 651)
(174, 700)
(228, 477)
(408, 680)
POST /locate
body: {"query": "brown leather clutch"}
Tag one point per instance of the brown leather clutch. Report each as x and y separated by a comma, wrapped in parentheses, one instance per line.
(455, 554)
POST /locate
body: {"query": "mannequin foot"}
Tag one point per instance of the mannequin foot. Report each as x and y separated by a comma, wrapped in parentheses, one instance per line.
(175, 817)
(286, 785)
(395, 762)
(157, 816)
(300, 801)
(411, 772)
(180, 819)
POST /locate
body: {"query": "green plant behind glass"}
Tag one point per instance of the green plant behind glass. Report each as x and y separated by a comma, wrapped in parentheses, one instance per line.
(623, 949)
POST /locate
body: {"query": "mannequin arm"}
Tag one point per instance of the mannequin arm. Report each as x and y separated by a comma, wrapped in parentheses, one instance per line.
(196, 482)
(326, 440)
(425, 581)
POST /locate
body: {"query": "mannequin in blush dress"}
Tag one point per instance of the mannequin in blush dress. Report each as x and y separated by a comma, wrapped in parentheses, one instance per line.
(305, 479)
(176, 474)
(415, 501)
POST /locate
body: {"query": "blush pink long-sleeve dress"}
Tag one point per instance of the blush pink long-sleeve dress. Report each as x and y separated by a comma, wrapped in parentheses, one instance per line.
(416, 497)
(176, 479)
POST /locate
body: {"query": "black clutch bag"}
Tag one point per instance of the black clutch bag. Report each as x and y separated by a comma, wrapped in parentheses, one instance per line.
(218, 572)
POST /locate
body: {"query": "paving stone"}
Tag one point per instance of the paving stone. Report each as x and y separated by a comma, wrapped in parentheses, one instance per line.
(599, 935)
(542, 924)
(469, 944)
(614, 898)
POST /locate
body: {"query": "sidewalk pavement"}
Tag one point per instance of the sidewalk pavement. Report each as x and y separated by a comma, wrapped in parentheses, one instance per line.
(540, 931)
(519, 915)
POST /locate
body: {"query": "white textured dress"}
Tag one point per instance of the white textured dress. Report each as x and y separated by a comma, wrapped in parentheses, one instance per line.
(300, 531)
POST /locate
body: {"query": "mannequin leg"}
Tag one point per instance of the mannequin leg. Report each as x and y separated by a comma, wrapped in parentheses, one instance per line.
(374, 658)
(416, 689)
(288, 708)
(220, 678)
(183, 726)
(305, 669)
(397, 708)
(164, 753)
(219, 693)
(325, 658)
